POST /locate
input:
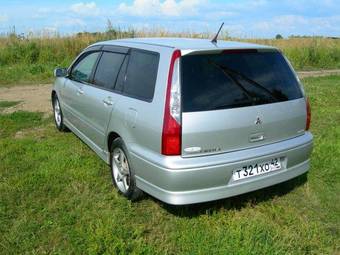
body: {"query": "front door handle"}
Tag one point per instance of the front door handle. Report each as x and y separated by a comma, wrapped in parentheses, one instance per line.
(107, 101)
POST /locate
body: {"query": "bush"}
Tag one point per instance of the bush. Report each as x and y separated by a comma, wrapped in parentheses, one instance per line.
(278, 36)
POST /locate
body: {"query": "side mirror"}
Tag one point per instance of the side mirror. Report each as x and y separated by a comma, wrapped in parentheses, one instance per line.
(60, 72)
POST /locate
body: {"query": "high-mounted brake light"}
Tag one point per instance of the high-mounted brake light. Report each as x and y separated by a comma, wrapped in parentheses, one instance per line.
(309, 114)
(240, 51)
(172, 130)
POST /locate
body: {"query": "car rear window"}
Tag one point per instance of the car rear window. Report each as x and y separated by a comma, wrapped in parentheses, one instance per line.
(141, 74)
(236, 79)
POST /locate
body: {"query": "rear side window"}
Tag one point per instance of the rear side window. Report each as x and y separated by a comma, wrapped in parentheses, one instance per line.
(236, 79)
(122, 75)
(107, 69)
(83, 69)
(141, 74)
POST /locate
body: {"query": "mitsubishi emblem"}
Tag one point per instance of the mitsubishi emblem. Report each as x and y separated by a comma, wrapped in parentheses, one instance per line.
(258, 121)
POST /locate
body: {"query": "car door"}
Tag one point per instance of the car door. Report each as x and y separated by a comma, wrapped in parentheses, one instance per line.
(73, 90)
(99, 99)
(136, 111)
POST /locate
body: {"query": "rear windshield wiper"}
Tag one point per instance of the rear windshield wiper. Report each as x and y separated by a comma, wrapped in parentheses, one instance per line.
(229, 106)
(232, 72)
(236, 82)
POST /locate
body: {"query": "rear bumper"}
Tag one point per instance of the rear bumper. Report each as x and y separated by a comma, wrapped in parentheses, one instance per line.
(177, 180)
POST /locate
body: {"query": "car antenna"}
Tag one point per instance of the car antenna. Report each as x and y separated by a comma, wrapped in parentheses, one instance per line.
(214, 40)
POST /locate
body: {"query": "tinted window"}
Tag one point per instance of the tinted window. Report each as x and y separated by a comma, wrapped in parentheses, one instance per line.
(83, 69)
(141, 74)
(107, 69)
(122, 75)
(236, 79)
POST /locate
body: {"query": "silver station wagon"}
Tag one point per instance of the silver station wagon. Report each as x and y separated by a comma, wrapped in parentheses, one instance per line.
(187, 120)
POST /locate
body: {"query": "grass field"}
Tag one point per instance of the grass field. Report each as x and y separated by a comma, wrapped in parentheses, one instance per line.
(56, 197)
(33, 60)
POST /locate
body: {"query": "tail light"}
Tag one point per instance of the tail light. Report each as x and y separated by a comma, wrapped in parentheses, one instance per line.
(172, 129)
(309, 114)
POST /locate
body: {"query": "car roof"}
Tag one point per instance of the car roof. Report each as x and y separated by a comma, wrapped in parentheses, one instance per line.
(185, 43)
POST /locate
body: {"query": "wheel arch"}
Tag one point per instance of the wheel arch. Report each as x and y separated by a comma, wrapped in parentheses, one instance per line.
(53, 94)
(110, 138)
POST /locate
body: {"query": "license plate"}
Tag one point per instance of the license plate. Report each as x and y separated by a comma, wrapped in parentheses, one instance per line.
(248, 171)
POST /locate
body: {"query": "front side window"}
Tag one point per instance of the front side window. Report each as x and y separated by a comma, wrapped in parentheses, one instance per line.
(83, 69)
(141, 75)
(107, 69)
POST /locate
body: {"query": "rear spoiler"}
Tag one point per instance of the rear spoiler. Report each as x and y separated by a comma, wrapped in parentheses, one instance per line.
(226, 50)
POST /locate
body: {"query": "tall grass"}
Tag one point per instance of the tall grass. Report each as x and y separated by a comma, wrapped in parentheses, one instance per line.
(32, 60)
(309, 53)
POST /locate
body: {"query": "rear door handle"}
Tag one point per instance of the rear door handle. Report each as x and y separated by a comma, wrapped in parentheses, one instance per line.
(80, 91)
(107, 101)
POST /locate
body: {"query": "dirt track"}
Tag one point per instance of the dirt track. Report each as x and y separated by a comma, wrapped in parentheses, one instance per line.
(304, 74)
(36, 98)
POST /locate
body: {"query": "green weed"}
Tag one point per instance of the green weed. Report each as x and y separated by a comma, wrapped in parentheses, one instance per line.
(6, 104)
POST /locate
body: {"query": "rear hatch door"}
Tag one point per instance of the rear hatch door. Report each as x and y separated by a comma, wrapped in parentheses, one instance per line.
(238, 99)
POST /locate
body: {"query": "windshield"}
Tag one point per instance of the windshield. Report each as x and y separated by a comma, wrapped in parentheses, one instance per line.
(236, 79)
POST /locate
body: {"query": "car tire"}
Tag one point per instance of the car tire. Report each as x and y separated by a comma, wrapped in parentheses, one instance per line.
(58, 115)
(123, 176)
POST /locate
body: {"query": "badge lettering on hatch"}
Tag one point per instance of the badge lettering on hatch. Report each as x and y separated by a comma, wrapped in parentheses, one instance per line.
(192, 150)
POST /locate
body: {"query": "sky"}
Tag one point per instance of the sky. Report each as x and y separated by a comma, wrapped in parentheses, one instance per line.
(243, 18)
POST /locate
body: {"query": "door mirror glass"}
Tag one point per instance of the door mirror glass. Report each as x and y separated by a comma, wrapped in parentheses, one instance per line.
(60, 72)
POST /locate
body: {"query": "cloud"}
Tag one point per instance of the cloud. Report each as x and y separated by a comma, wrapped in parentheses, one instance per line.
(70, 22)
(42, 12)
(85, 9)
(243, 18)
(3, 18)
(296, 24)
(160, 8)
